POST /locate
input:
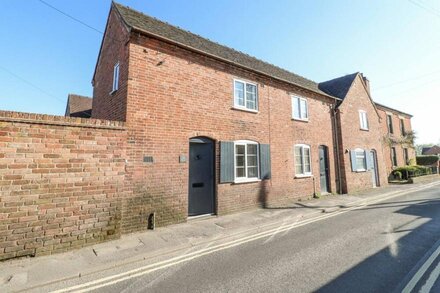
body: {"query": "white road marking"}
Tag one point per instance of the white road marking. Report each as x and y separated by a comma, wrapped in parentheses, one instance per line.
(110, 280)
(431, 280)
(419, 274)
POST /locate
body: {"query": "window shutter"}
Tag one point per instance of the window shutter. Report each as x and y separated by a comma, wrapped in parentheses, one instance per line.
(265, 168)
(368, 160)
(353, 160)
(226, 161)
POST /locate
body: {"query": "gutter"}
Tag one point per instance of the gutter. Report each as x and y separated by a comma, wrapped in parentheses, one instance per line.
(136, 29)
(392, 109)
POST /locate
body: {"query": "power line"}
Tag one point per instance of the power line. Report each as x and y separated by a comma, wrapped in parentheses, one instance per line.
(429, 6)
(71, 17)
(416, 87)
(406, 80)
(426, 8)
(31, 84)
(35, 86)
(78, 20)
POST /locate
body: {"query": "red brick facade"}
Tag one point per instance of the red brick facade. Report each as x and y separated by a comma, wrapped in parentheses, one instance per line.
(114, 49)
(70, 182)
(352, 137)
(188, 95)
(395, 139)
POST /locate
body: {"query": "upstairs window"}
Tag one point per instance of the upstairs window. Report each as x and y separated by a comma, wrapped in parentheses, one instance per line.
(245, 95)
(302, 160)
(115, 77)
(363, 120)
(405, 156)
(246, 161)
(394, 156)
(402, 127)
(390, 123)
(300, 109)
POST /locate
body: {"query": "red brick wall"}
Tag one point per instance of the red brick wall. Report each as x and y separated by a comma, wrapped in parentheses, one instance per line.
(114, 49)
(352, 137)
(61, 182)
(173, 95)
(396, 135)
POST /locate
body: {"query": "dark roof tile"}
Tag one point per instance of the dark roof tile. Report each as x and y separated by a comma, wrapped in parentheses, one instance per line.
(151, 25)
(338, 87)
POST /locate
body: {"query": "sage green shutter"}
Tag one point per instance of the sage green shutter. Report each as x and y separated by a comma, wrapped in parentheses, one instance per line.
(353, 160)
(226, 161)
(265, 170)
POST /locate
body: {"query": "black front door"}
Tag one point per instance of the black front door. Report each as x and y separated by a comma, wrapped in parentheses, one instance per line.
(201, 177)
(323, 169)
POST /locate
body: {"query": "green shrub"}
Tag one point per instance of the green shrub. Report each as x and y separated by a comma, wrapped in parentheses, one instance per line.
(411, 171)
(398, 175)
(427, 160)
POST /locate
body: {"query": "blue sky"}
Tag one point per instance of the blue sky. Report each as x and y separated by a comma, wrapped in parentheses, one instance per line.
(396, 44)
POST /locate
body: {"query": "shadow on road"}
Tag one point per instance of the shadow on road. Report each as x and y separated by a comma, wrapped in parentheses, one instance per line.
(395, 261)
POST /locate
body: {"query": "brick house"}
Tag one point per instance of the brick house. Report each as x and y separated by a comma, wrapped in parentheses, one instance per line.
(265, 133)
(273, 135)
(359, 133)
(397, 136)
(78, 106)
(181, 126)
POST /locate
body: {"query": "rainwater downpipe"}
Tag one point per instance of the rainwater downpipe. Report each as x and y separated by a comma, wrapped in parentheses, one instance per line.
(336, 137)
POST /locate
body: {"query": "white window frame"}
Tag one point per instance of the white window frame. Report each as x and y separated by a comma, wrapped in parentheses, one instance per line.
(304, 174)
(245, 143)
(362, 114)
(240, 107)
(115, 85)
(293, 98)
(364, 154)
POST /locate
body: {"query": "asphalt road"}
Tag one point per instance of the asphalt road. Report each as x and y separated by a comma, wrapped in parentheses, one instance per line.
(378, 248)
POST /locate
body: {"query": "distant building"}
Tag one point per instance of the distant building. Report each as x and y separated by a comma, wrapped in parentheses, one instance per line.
(79, 106)
(434, 150)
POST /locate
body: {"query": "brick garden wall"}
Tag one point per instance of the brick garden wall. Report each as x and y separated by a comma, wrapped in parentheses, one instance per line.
(61, 181)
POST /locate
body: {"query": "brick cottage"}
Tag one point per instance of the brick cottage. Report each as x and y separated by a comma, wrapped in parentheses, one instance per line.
(180, 126)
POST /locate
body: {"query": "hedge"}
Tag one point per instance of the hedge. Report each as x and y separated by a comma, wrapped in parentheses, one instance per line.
(411, 171)
(427, 160)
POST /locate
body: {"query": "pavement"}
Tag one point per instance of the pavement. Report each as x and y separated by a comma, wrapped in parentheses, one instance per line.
(211, 237)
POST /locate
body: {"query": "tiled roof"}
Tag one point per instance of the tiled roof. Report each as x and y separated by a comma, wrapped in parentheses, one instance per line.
(154, 27)
(79, 106)
(435, 150)
(338, 87)
(392, 109)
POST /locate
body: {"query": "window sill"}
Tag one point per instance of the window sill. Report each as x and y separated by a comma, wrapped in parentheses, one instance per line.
(303, 176)
(302, 120)
(360, 171)
(245, 109)
(247, 180)
(364, 129)
(113, 92)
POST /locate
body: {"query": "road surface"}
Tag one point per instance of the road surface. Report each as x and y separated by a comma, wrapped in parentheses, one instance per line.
(390, 246)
